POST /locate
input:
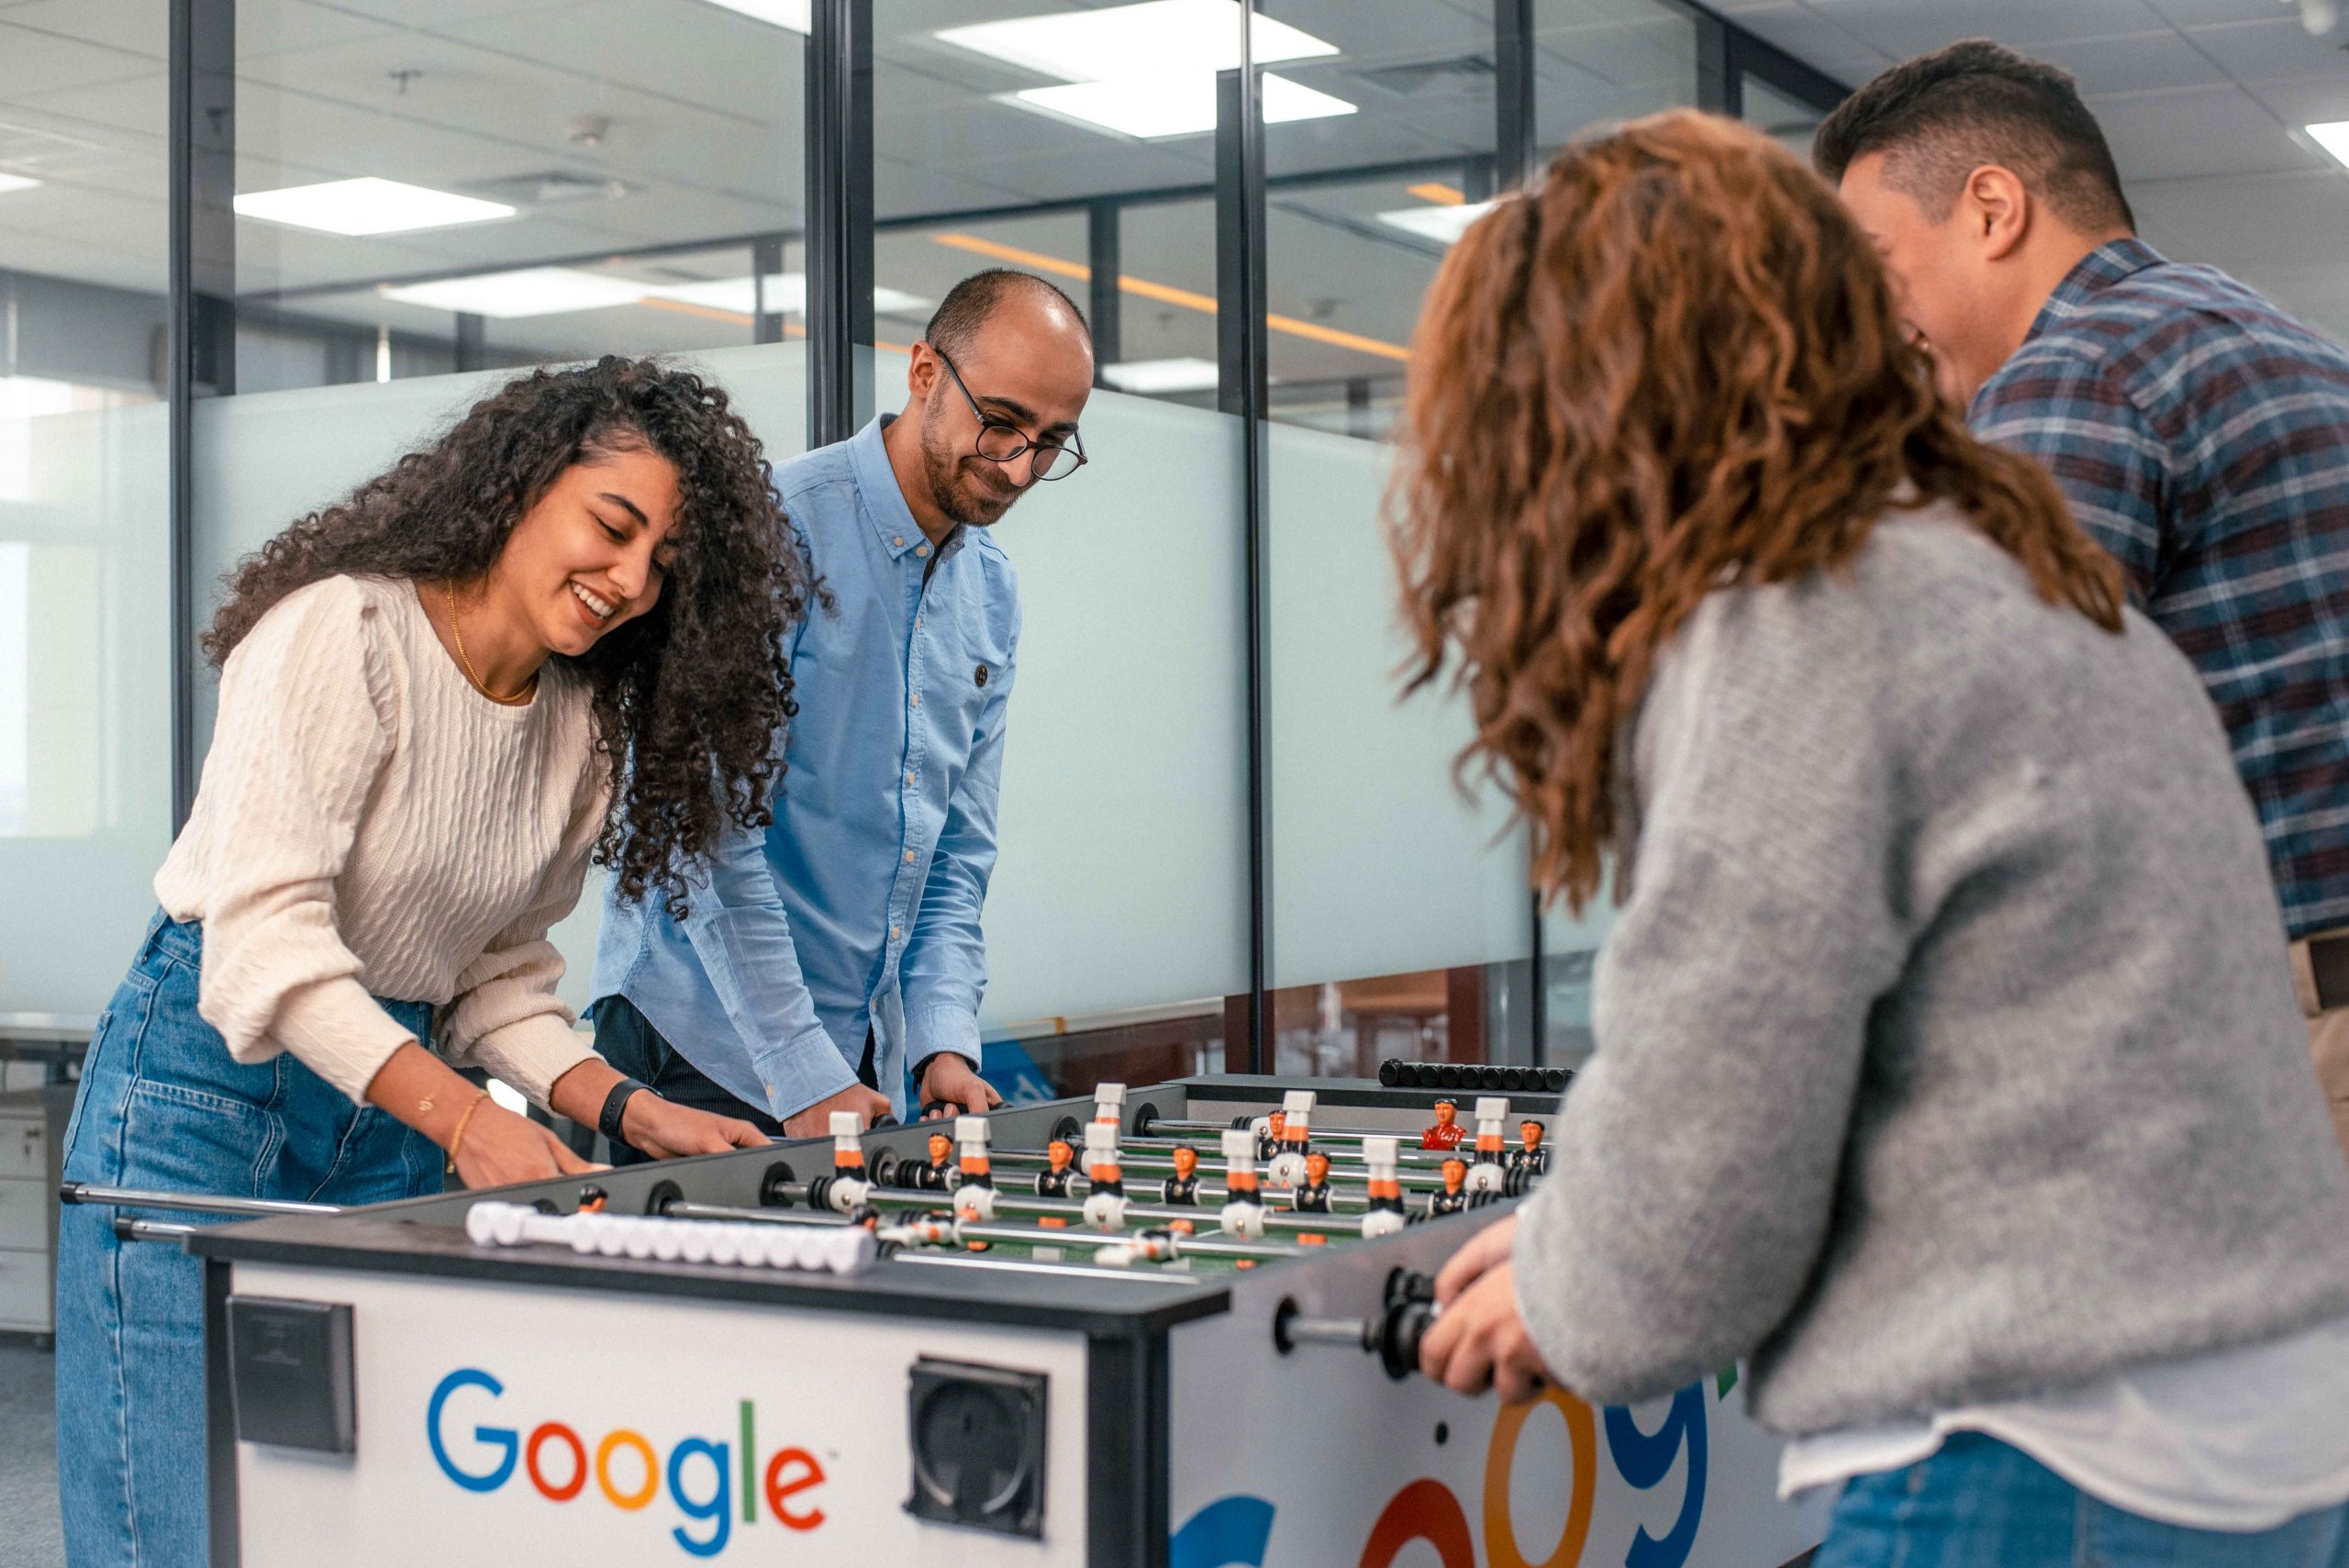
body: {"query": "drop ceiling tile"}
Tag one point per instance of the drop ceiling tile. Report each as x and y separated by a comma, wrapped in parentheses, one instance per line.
(2196, 131)
(2274, 50)
(1906, 27)
(2270, 218)
(133, 27)
(34, 61)
(2146, 63)
(1813, 39)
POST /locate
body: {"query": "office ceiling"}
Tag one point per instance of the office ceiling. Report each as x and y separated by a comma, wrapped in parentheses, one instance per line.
(624, 126)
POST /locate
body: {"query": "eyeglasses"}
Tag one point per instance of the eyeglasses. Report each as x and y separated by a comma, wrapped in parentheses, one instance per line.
(1001, 442)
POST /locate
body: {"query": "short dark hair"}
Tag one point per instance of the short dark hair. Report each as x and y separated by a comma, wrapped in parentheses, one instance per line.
(969, 304)
(1941, 116)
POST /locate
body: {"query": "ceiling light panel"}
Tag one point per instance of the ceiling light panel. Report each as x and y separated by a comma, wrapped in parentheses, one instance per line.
(1152, 108)
(787, 295)
(791, 15)
(1153, 378)
(366, 206)
(1444, 225)
(15, 183)
(533, 291)
(1173, 37)
(2333, 137)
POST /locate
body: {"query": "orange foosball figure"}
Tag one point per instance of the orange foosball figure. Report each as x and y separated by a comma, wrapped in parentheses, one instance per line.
(1531, 1157)
(1183, 1186)
(1455, 1196)
(1447, 1132)
(1053, 1181)
(939, 1175)
(1311, 1196)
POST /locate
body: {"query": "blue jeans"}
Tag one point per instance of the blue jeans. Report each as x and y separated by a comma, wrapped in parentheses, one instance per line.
(1978, 1503)
(163, 1106)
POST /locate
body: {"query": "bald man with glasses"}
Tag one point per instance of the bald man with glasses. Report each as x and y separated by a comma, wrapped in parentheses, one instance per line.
(823, 955)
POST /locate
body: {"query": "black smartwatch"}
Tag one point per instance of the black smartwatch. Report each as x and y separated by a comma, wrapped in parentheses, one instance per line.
(615, 1103)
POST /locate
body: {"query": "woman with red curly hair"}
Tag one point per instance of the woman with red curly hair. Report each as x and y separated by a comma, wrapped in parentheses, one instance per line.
(1948, 1067)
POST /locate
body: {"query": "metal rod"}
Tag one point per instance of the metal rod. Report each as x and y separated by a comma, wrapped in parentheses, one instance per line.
(1434, 1159)
(1324, 1134)
(679, 1209)
(1197, 1246)
(191, 1203)
(1355, 1332)
(1025, 1265)
(1353, 1176)
(126, 1228)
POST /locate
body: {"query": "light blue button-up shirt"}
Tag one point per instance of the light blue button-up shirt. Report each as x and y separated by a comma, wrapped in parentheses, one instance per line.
(859, 907)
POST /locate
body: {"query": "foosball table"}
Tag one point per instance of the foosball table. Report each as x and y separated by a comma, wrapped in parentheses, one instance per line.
(1176, 1326)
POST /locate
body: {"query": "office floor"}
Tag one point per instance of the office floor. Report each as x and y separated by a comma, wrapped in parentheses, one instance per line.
(28, 1456)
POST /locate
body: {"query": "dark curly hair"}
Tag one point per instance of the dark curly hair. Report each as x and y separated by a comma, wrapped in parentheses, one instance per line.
(689, 697)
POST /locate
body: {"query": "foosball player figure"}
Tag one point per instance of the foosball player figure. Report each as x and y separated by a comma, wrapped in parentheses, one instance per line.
(1447, 1132)
(1053, 1179)
(938, 1176)
(1105, 1204)
(1531, 1157)
(1110, 1104)
(1489, 1173)
(1312, 1194)
(1269, 1132)
(1385, 1216)
(1183, 1186)
(592, 1198)
(1243, 1208)
(1295, 1137)
(1455, 1196)
(975, 1197)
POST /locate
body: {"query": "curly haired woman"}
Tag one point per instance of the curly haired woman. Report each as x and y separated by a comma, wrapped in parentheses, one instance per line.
(1948, 1065)
(426, 693)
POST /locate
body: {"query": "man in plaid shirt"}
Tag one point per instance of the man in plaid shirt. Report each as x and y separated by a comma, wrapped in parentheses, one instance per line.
(2202, 434)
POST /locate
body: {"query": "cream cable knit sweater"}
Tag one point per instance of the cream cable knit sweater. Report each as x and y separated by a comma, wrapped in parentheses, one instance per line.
(370, 823)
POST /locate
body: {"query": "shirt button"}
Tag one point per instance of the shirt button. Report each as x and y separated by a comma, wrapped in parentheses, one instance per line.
(909, 778)
(892, 933)
(917, 699)
(899, 540)
(917, 623)
(921, 550)
(910, 857)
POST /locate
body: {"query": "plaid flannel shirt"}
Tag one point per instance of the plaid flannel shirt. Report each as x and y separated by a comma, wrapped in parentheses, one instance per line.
(2202, 436)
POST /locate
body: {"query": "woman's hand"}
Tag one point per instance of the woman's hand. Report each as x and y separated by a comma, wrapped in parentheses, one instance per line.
(498, 1149)
(1484, 1250)
(666, 1130)
(1479, 1340)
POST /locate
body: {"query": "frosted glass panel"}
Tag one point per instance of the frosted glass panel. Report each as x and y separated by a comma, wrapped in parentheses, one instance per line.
(1122, 877)
(1379, 863)
(85, 770)
(262, 460)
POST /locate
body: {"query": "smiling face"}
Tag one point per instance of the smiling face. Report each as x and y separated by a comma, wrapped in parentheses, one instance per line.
(590, 553)
(1947, 292)
(1030, 366)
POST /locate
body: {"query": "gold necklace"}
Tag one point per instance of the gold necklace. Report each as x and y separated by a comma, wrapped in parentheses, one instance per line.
(521, 694)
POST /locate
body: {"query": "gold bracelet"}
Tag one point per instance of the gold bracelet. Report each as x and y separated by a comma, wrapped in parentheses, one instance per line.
(457, 1138)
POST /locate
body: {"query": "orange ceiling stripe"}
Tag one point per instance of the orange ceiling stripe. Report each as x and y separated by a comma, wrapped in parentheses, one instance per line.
(1168, 294)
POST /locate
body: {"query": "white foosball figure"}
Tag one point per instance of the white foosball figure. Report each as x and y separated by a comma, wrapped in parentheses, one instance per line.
(1489, 1172)
(1296, 1137)
(1243, 1208)
(1385, 1216)
(850, 1186)
(1143, 1247)
(1105, 1203)
(974, 1200)
(1109, 1105)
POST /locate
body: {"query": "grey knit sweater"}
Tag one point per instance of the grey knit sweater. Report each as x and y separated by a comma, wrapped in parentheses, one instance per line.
(1946, 1045)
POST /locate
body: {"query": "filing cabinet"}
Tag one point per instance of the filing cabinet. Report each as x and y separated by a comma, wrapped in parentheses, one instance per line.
(32, 1140)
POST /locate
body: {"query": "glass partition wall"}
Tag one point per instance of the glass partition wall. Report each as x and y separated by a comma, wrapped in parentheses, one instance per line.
(1224, 841)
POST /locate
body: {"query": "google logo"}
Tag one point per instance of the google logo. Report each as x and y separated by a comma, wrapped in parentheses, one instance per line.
(1236, 1531)
(628, 1471)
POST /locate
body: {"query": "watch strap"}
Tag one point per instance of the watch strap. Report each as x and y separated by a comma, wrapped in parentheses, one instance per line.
(615, 1103)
